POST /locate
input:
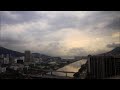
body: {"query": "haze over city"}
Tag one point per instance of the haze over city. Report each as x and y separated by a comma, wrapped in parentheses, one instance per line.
(60, 33)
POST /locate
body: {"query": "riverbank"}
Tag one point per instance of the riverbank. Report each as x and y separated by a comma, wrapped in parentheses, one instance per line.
(82, 72)
(73, 67)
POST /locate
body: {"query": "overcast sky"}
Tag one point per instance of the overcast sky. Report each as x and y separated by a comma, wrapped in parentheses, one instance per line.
(60, 33)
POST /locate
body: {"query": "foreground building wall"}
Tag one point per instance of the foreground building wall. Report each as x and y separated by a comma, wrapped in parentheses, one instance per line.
(103, 66)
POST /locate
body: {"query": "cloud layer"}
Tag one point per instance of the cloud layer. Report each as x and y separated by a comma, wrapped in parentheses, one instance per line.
(60, 33)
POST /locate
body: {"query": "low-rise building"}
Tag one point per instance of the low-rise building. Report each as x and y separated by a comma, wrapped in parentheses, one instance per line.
(52, 63)
(19, 61)
(2, 69)
(17, 66)
(27, 67)
(6, 61)
(1, 60)
(36, 60)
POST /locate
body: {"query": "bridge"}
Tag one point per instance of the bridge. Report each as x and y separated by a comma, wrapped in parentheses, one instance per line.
(49, 74)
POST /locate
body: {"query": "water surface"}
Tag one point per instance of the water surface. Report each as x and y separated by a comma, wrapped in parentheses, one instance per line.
(73, 67)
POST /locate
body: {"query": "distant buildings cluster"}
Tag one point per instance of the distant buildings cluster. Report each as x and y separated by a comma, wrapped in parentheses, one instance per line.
(98, 66)
(15, 63)
(80, 57)
(19, 63)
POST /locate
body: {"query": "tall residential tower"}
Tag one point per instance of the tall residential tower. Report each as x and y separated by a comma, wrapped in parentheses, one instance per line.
(27, 56)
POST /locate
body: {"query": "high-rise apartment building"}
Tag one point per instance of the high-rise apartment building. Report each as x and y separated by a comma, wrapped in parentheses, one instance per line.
(27, 56)
(103, 66)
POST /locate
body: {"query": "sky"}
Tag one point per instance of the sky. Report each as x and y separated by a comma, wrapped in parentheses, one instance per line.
(60, 33)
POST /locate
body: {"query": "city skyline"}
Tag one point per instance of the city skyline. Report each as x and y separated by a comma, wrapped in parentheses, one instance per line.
(60, 33)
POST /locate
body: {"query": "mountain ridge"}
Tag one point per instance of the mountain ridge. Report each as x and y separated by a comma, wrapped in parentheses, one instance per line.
(115, 51)
(6, 51)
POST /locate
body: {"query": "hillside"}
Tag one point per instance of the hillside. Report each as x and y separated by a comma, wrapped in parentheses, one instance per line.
(115, 51)
(6, 51)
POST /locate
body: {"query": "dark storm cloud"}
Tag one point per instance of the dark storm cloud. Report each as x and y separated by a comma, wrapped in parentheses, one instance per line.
(10, 41)
(78, 51)
(70, 20)
(95, 21)
(114, 24)
(14, 43)
(113, 45)
(18, 17)
(53, 48)
(102, 18)
(64, 22)
(38, 30)
(109, 13)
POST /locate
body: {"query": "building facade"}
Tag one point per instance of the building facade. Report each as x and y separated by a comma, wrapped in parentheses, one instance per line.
(103, 66)
(27, 56)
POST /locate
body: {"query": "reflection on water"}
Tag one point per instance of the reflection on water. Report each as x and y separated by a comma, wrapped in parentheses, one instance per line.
(73, 67)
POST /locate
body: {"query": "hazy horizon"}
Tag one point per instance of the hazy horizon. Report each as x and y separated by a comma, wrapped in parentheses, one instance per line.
(60, 33)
